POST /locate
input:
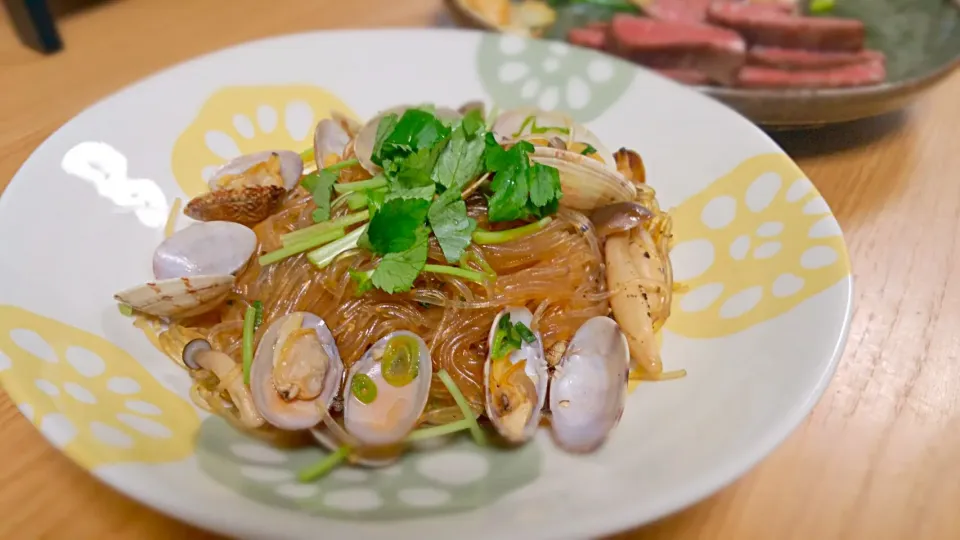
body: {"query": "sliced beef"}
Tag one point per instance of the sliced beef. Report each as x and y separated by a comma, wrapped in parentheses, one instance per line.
(799, 59)
(587, 37)
(761, 25)
(686, 76)
(862, 74)
(716, 52)
(678, 10)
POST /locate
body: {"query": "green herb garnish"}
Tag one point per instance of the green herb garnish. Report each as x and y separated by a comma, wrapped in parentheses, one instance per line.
(394, 227)
(320, 186)
(520, 188)
(324, 466)
(510, 337)
(257, 314)
(451, 225)
(468, 415)
(363, 388)
(249, 320)
(361, 280)
(588, 150)
(397, 271)
(462, 159)
(483, 237)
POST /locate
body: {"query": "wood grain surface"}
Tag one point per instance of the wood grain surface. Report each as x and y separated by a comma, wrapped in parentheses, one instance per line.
(878, 459)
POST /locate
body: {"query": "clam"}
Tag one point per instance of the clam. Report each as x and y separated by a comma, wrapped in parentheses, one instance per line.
(587, 184)
(178, 297)
(589, 386)
(516, 383)
(367, 137)
(198, 354)
(619, 217)
(248, 188)
(540, 127)
(387, 389)
(271, 167)
(329, 139)
(296, 372)
(210, 248)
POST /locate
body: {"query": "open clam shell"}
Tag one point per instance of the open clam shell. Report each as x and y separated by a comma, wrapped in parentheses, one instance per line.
(587, 184)
(527, 123)
(247, 205)
(178, 297)
(329, 139)
(294, 414)
(210, 248)
(367, 138)
(589, 386)
(516, 419)
(399, 368)
(291, 167)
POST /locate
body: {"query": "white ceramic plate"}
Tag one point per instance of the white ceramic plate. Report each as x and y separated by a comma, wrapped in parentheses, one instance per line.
(759, 330)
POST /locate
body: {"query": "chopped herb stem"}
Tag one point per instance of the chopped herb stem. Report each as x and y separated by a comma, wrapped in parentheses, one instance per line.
(499, 237)
(307, 155)
(341, 165)
(373, 183)
(472, 275)
(324, 466)
(356, 201)
(471, 256)
(258, 314)
(249, 318)
(439, 431)
(323, 256)
(475, 431)
(341, 222)
(301, 246)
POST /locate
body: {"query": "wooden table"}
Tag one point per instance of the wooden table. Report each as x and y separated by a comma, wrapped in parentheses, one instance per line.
(878, 459)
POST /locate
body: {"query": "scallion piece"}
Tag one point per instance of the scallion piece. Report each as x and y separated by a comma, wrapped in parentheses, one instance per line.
(324, 466)
(373, 183)
(258, 314)
(249, 318)
(125, 309)
(301, 246)
(468, 416)
(341, 165)
(323, 256)
(500, 237)
(472, 275)
(341, 222)
(438, 431)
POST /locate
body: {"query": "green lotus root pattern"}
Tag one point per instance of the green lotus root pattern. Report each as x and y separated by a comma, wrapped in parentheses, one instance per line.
(551, 75)
(457, 477)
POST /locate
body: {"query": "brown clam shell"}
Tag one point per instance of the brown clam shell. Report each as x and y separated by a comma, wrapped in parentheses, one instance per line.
(248, 205)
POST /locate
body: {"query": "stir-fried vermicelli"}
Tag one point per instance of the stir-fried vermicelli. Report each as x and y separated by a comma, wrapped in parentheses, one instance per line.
(435, 270)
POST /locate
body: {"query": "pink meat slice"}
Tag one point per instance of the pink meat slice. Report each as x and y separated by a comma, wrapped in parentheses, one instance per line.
(761, 25)
(587, 37)
(799, 59)
(678, 10)
(863, 74)
(716, 52)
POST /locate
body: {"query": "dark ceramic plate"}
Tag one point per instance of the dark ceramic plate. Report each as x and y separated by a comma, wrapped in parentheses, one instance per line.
(921, 39)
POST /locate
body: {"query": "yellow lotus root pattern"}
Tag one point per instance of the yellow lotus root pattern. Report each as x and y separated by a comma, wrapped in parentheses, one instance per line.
(90, 397)
(751, 246)
(243, 119)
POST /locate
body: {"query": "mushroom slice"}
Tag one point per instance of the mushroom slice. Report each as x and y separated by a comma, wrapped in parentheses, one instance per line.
(198, 354)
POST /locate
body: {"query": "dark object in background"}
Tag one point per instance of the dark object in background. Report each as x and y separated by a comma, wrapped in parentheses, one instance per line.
(34, 23)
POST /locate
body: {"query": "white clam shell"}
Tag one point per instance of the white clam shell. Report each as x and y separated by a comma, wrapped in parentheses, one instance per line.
(291, 166)
(365, 421)
(206, 248)
(515, 123)
(297, 414)
(586, 183)
(535, 369)
(329, 138)
(178, 297)
(367, 138)
(589, 386)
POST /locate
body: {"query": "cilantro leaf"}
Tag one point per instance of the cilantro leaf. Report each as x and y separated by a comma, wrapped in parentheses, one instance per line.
(412, 177)
(462, 159)
(451, 225)
(394, 227)
(415, 130)
(320, 185)
(361, 280)
(375, 200)
(473, 123)
(545, 190)
(384, 128)
(397, 271)
(588, 150)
